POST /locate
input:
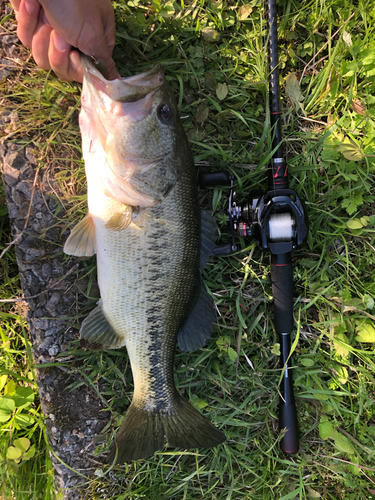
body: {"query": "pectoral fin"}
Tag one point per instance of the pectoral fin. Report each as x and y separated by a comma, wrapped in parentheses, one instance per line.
(199, 325)
(208, 237)
(81, 241)
(97, 334)
(121, 220)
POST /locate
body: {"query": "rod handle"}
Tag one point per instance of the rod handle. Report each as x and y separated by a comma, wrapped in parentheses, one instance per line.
(282, 290)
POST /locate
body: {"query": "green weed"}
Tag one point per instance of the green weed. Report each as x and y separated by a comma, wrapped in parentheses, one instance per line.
(25, 467)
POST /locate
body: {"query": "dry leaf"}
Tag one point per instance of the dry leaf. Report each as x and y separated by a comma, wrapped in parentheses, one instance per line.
(313, 493)
(244, 12)
(293, 91)
(358, 107)
(347, 38)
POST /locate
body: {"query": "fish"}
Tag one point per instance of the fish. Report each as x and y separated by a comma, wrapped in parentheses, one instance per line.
(151, 242)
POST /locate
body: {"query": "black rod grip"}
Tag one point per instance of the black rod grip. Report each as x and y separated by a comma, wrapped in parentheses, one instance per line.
(287, 407)
(288, 420)
(282, 290)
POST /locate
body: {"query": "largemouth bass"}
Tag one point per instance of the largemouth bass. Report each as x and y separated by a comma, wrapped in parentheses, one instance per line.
(144, 224)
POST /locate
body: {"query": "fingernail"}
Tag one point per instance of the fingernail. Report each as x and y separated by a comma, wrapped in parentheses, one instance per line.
(75, 59)
(60, 44)
(31, 6)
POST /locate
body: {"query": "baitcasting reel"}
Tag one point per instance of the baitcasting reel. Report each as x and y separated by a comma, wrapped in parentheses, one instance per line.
(276, 219)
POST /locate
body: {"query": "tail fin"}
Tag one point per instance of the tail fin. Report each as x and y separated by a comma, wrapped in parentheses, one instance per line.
(144, 432)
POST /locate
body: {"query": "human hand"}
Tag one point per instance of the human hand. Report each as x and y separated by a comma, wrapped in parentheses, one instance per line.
(50, 28)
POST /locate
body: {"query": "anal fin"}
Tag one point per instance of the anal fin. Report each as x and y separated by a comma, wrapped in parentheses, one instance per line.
(97, 334)
(81, 241)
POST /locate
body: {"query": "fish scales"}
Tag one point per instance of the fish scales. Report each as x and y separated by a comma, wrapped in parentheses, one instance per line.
(147, 254)
(157, 262)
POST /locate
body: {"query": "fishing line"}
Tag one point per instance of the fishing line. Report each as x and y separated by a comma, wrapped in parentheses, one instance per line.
(100, 41)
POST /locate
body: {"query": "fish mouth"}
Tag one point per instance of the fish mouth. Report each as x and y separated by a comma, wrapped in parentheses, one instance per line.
(129, 89)
(128, 176)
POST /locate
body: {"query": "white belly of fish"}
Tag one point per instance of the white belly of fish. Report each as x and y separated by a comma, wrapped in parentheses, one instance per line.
(121, 274)
(121, 279)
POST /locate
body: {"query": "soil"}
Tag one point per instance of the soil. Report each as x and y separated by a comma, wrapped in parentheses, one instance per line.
(51, 291)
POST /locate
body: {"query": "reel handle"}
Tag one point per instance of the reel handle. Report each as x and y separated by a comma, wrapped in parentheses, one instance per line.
(214, 179)
(223, 249)
(220, 179)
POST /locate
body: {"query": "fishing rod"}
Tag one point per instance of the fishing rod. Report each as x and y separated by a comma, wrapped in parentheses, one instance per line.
(277, 220)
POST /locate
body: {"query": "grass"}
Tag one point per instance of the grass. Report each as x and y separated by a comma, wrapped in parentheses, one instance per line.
(25, 466)
(214, 57)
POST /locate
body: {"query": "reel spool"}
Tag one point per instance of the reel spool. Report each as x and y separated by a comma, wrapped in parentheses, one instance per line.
(281, 227)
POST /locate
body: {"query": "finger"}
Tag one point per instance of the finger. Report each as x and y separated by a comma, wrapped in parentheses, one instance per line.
(15, 4)
(58, 55)
(60, 58)
(112, 72)
(104, 54)
(108, 62)
(110, 38)
(28, 16)
(76, 65)
(40, 45)
(88, 44)
(110, 33)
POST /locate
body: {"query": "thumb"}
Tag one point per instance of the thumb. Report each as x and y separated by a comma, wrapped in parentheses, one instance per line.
(112, 72)
(106, 64)
(102, 53)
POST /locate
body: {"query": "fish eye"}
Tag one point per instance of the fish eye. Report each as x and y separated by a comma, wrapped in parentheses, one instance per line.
(164, 112)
